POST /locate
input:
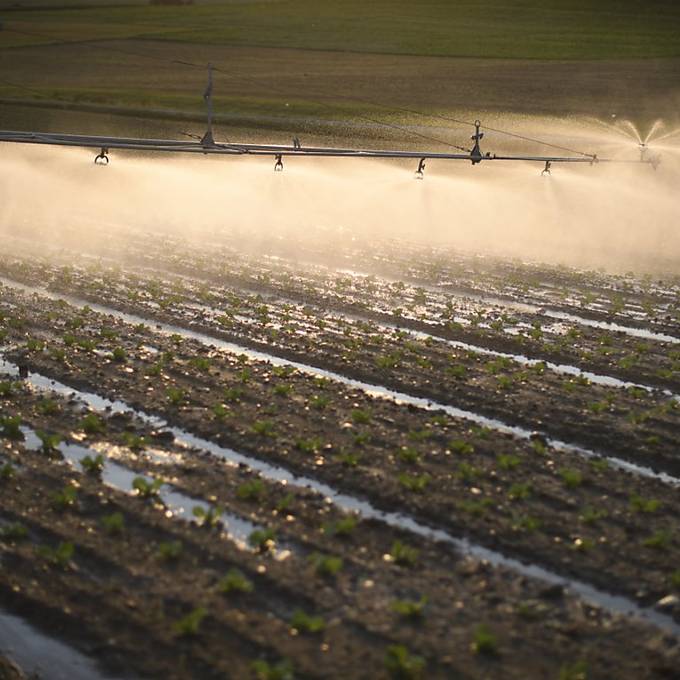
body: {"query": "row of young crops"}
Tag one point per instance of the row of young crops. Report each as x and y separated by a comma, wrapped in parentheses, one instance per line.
(262, 487)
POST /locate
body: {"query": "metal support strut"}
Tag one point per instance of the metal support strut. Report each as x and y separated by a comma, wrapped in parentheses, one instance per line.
(102, 157)
(546, 169)
(420, 172)
(278, 166)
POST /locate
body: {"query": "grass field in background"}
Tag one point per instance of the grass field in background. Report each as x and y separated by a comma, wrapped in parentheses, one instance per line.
(528, 29)
(297, 59)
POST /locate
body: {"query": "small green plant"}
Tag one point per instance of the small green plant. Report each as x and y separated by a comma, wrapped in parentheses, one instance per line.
(304, 623)
(525, 523)
(343, 527)
(519, 491)
(574, 671)
(190, 625)
(461, 447)
(326, 565)
(484, 641)
(169, 551)
(48, 407)
(407, 454)
(114, 523)
(50, 442)
(262, 539)
(264, 428)
(145, 489)
(119, 355)
(599, 464)
(590, 515)
(201, 363)
(93, 466)
(571, 478)
(319, 401)
(474, 507)
(508, 461)
(209, 518)
(659, 540)
(402, 665)
(6, 471)
(6, 389)
(361, 416)
(350, 458)
(57, 557)
(468, 473)
(235, 582)
(254, 490)
(414, 483)
(640, 504)
(403, 554)
(92, 424)
(220, 411)
(175, 395)
(675, 579)
(66, 498)
(10, 428)
(13, 532)
(282, 670)
(310, 446)
(134, 442)
(409, 609)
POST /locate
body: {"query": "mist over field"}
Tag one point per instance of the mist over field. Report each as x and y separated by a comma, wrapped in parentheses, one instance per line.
(616, 216)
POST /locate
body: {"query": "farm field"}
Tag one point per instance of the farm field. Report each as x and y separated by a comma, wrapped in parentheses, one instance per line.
(274, 466)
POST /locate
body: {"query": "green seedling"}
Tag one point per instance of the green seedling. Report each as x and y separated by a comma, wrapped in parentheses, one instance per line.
(283, 389)
(175, 395)
(10, 428)
(309, 446)
(675, 579)
(659, 540)
(201, 363)
(350, 458)
(169, 551)
(591, 515)
(599, 464)
(6, 389)
(477, 508)
(57, 557)
(402, 665)
(134, 442)
(532, 610)
(6, 472)
(66, 498)
(13, 533)
(519, 491)
(233, 394)
(304, 623)
(539, 447)
(92, 424)
(235, 582)
(263, 670)
(574, 671)
(508, 461)
(461, 447)
(484, 641)
(326, 565)
(119, 355)
(114, 524)
(190, 625)
(361, 416)
(525, 523)
(639, 504)
(254, 490)
(468, 472)
(93, 466)
(319, 401)
(33, 345)
(220, 411)
(420, 435)
(404, 555)
(409, 609)
(408, 454)
(343, 527)
(50, 442)
(570, 477)
(262, 539)
(146, 489)
(414, 483)
(284, 504)
(209, 518)
(264, 428)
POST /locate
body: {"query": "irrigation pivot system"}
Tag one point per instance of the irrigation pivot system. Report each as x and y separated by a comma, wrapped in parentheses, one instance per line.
(207, 145)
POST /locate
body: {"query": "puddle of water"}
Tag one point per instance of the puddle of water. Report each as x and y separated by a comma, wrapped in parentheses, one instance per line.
(378, 391)
(41, 656)
(612, 603)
